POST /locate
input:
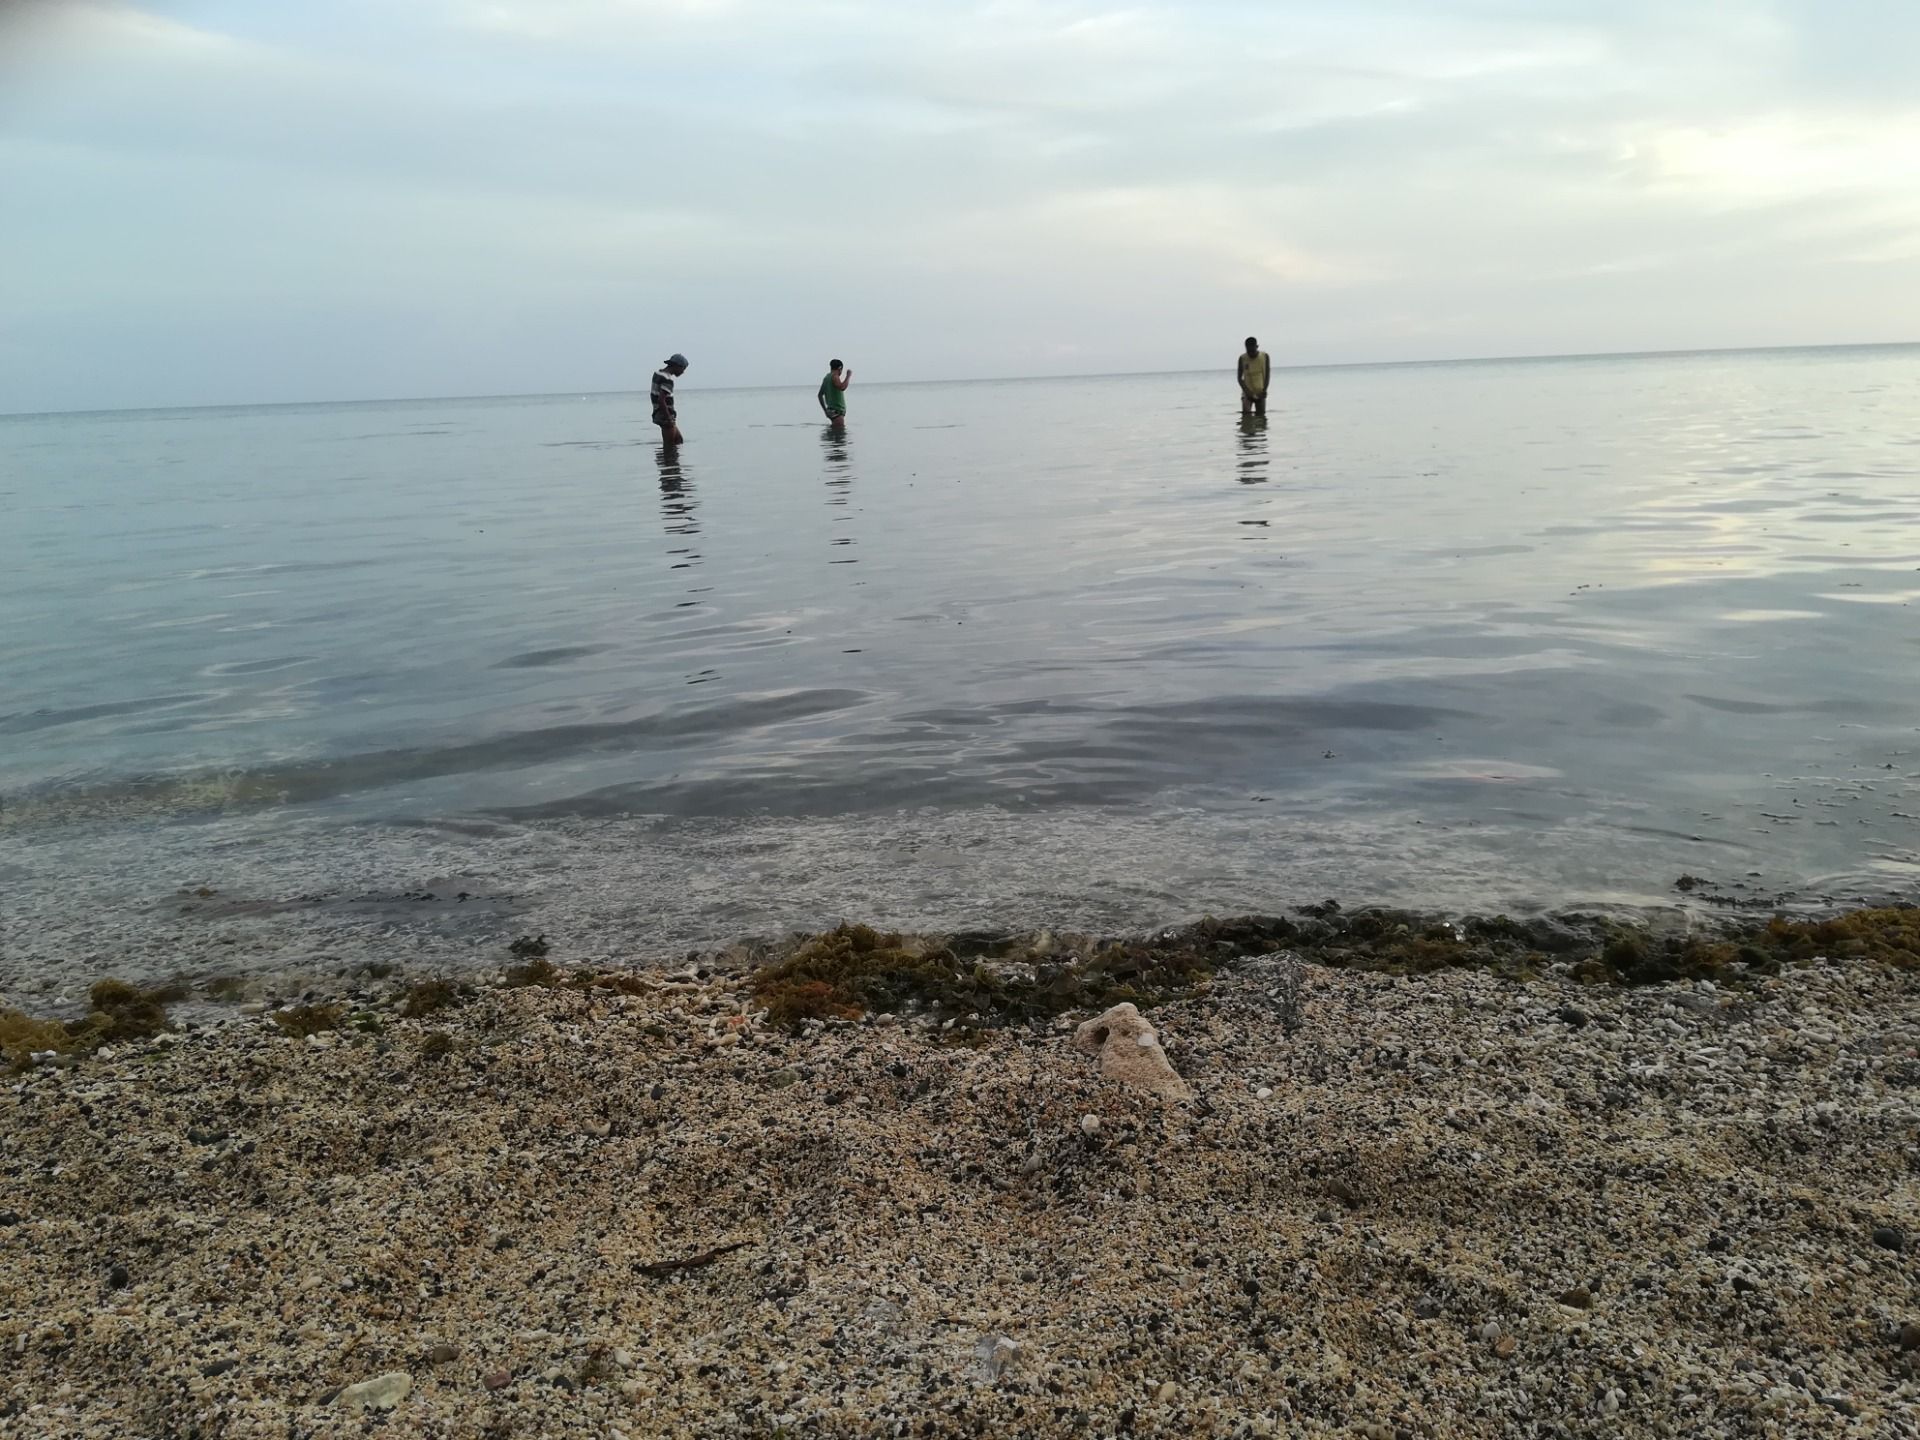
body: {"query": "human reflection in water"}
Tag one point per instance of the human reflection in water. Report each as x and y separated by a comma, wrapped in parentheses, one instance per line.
(1253, 450)
(677, 506)
(837, 450)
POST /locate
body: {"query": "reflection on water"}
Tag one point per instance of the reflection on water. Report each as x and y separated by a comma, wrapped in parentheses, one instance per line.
(1253, 449)
(678, 507)
(679, 516)
(1667, 602)
(836, 450)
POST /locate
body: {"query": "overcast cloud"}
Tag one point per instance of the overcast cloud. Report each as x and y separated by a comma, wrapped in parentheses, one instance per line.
(269, 200)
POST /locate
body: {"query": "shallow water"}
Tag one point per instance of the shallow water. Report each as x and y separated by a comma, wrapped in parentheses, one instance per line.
(1662, 603)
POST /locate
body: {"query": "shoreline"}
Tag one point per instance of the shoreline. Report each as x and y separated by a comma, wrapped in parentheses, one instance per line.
(625, 1201)
(304, 900)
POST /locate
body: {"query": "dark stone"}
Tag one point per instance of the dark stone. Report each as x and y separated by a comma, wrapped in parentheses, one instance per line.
(1552, 937)
(9, 1217)
(1889, 1237)
(118, 1278)
(1742, 1285)
(1426, 1308)
(218, 1367)
(1574, 1016)
(1719, 1244)
(1910, 1336)
(1579, 1298)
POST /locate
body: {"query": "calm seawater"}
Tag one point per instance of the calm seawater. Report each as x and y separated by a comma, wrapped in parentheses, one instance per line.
(1666, 599)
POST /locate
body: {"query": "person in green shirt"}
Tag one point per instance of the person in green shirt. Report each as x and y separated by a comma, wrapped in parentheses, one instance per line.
(833, 393)
(1254, 368)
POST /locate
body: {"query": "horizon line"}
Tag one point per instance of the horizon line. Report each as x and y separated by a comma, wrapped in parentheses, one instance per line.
(1682, 353)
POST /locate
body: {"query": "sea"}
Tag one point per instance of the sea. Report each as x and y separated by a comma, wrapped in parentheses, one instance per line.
(1547, 630)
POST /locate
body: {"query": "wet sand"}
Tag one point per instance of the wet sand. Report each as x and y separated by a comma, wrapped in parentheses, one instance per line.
(1451, 1204)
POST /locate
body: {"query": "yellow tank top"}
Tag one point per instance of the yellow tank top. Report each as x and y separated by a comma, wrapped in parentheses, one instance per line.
(1255, 373)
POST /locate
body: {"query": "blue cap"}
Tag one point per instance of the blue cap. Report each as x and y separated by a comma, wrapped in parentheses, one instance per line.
(677, 359)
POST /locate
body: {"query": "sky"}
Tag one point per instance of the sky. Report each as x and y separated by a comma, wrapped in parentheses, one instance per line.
(209, 203)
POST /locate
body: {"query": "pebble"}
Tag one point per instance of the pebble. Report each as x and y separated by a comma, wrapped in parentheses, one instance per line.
(1089, 1124)
(383, 1392)
(1578, 1298)
(1505, 1347)
(1265, 1092)
(443, 1353)
(1889, 1237)
(993, 1356)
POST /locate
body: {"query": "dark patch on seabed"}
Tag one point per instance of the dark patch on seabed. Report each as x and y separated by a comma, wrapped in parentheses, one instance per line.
(534, 659)
(442, 905)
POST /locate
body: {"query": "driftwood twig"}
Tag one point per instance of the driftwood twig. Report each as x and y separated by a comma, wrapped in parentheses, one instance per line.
(692, 1262)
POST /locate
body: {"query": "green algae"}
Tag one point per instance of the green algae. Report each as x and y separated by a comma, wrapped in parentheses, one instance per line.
(856, 970)
(22, 1036)
(300, 1021)
(117, 1012)
(1889, 935)
(430, 996)
(981, 981)
(537, 971)
(436, 1045)
(125, 1012)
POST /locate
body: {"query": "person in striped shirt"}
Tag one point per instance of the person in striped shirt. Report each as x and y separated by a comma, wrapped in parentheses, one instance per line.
(664, 415)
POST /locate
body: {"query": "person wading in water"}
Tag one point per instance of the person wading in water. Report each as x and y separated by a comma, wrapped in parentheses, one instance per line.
(664, 415)
(832, 394)
(1254, 368)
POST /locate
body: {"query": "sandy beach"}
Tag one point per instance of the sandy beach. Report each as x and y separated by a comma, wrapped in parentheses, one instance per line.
(540, 1201)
